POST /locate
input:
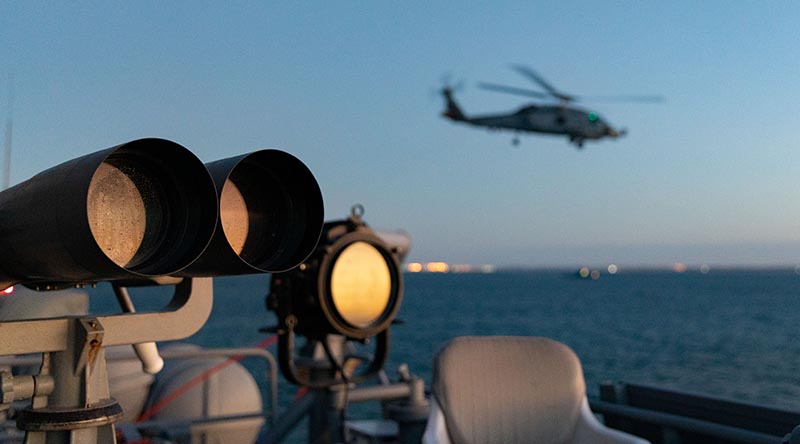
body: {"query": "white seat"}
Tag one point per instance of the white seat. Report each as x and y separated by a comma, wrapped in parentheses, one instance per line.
(512, 390)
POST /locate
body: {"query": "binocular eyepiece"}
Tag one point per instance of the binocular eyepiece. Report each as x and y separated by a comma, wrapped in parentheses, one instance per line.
(150, 208)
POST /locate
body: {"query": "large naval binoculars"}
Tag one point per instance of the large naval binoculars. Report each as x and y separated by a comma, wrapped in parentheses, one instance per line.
(346, 292)
(143, 212)
(150, 208)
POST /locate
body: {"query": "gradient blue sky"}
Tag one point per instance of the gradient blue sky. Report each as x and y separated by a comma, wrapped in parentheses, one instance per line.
(711, 176)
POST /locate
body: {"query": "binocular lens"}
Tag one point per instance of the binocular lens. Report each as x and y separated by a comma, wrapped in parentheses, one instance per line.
(234, 216)
(126, 213)
(258, 215)
(117, 215)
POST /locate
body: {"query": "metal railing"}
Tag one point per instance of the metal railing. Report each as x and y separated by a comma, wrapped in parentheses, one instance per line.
(684, 424)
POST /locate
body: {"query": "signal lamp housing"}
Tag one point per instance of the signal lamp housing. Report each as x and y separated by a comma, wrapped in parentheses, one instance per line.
(351, 285)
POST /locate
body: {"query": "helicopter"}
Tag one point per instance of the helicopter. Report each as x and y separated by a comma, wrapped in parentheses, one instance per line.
(578, 124)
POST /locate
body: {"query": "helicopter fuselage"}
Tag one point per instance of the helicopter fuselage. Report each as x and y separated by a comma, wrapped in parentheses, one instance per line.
(576, 123)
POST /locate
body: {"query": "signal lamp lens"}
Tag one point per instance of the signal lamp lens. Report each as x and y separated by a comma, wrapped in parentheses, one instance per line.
(358, 282)
(361, 285)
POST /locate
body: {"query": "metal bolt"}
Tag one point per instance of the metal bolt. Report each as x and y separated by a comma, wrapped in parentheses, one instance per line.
(6, 388)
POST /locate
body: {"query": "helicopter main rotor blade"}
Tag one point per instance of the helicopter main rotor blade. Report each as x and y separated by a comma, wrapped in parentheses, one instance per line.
(513, 90)
(624, 98)
(532, 75)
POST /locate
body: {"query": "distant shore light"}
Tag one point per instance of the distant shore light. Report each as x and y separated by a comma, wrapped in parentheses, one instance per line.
(437, 267)
(414, 267)
(705, 269)
(612, 269)
(679, 267)
(444, 267)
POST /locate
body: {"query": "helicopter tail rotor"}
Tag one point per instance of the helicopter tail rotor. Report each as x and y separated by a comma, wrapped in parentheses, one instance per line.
(446, 83)
(446, 80)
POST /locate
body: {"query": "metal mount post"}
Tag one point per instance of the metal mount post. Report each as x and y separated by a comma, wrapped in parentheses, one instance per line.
(324, 418)
(73, 405)
(80, 408)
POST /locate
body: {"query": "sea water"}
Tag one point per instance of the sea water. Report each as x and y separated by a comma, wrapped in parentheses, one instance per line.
(725, 333)
(730, 334)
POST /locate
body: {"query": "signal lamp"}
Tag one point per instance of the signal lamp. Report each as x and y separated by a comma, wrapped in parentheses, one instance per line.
(351, 285)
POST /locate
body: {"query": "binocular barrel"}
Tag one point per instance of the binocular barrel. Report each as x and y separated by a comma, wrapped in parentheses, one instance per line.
(271, 215)
(150, 208)
(140, 209)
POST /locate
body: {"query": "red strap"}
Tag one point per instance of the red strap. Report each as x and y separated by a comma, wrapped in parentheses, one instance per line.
(300, 392)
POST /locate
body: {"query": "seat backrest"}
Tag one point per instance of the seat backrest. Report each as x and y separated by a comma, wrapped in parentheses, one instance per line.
(508, 390)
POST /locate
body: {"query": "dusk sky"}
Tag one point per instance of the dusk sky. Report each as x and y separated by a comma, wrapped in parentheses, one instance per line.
(710, 176)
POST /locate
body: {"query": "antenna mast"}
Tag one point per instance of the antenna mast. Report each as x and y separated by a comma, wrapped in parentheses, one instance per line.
(9, 129)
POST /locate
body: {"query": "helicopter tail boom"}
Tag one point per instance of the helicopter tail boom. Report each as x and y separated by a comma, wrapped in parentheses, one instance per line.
(452, 112)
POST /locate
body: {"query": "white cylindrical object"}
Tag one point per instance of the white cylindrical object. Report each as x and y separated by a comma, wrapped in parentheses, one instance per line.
(147, 352)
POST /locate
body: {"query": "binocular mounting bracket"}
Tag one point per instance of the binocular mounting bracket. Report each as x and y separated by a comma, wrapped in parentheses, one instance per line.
(75, 405)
